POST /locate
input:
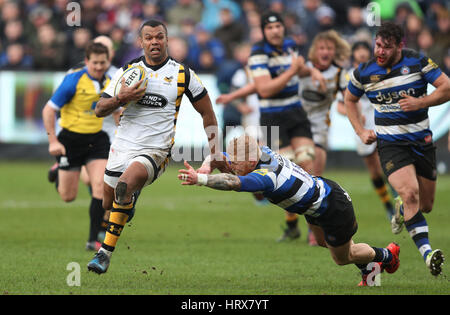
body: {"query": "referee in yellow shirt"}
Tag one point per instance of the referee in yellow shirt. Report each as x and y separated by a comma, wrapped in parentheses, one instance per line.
(81, 140)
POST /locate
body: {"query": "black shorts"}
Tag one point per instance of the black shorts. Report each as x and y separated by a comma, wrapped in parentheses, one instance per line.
(395, 156)
(338, 222)
(82, 148)
(291, 123)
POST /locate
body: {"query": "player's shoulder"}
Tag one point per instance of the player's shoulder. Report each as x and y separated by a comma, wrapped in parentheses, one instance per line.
(412, 54)
(336, 66)
(74, 75)
(259, 48)
(368, 66)
(77, 67)
(289, 43)
(134, 62)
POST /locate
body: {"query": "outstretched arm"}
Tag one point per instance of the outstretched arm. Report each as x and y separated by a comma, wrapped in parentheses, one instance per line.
(242, 92)
(220, 181)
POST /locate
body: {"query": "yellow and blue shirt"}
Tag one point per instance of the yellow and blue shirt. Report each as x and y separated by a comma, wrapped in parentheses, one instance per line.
(76, 98)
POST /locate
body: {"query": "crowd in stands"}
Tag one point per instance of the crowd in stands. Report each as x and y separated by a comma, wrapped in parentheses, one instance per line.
(204, 34)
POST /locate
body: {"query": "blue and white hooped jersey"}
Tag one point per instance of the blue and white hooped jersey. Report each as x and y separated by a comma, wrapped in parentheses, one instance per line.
(287, 185)
(385, 87)
(266, 59)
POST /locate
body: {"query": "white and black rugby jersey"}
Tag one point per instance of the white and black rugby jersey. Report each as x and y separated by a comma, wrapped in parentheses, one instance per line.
(314, 100)
(150, 123)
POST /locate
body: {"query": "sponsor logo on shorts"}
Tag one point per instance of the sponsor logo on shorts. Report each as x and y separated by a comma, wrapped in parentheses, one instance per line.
(63, 162)
(389, 165)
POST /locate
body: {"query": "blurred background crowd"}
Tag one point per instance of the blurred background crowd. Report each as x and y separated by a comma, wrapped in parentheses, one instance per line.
(211, 36)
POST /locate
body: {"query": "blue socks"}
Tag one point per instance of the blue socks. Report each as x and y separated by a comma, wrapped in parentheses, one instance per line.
(418, 230)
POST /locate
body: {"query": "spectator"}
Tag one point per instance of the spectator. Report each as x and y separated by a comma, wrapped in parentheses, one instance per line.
(325, 16)
(151, 11)
(103, 25)
(301, 38)
(308, 18)
(413, 26)
(204, 50)
(48, 50)
(80, 39)
(117, 36)
(182, 9)
(277, 6)
(442, 36)
(132, 51)
(39, 16)
(13, 33)
(230, 33)
(355, 18)
(212, 10)
(15, 58)
(252, 20)
(89, 12)
(447, 68)
(10, 11)
(178, 49)
(427, 45)
(431, 14)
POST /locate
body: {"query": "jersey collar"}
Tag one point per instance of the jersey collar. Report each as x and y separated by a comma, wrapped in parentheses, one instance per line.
(155, 67)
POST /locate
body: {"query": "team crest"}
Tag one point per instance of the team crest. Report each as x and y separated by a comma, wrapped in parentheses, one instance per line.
(168, 79)
(405, 70)
(432, 63)
(375, 78)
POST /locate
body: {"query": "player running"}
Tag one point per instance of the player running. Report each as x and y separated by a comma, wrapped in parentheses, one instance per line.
(395, 81)
(326, 206)
(361, 53)
(141, 148)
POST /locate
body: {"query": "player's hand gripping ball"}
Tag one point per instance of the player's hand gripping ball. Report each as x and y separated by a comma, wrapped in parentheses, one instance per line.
(132, 76)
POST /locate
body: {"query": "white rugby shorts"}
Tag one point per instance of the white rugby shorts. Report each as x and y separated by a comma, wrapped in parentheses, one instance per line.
(154, 160)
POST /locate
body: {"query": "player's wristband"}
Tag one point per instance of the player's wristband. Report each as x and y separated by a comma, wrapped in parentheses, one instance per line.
(202, 179)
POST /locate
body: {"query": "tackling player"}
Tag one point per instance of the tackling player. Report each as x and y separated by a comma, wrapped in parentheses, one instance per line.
(276, 68)
(395, 81)
(326, 206)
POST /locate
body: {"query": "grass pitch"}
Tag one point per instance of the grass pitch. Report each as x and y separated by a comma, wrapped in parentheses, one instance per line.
(196, 241)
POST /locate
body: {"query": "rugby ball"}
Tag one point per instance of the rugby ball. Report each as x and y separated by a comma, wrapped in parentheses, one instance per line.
(132, 76)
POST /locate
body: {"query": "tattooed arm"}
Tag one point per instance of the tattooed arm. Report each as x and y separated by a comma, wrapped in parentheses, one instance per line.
(224, 182)
(220, 181)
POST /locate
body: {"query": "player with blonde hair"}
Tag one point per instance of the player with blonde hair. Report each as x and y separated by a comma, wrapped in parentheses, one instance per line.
(326, 206)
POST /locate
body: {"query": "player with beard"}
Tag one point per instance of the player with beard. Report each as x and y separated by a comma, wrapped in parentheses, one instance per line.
(395, 81)
(361, 52)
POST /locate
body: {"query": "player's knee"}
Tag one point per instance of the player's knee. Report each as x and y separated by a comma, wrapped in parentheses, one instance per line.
(341, 261)
(427, 207)
(410, 195)
(67, 197)
(121, 192)
(304, 154)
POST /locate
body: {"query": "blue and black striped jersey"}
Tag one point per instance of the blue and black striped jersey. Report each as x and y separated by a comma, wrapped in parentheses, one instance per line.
(287, 185)
(385, 87)
(266, 59)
